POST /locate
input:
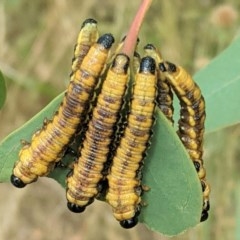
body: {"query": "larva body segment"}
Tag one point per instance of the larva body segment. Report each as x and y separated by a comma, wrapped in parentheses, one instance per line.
(82, 183)
(191, 122)
(136, 62)
(87, 36)
(164, 98)
(47, 145)
(124, 183)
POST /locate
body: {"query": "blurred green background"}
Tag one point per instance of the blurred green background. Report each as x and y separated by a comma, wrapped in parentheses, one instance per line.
(36, 47)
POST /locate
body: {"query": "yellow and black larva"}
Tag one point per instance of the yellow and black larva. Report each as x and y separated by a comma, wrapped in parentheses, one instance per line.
(164, 98)
(124, 178)
(48, 144)
(82, 182)
(87, 36)
(191, 123)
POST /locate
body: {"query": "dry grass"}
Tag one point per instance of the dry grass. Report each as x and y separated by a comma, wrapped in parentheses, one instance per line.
(36, 45)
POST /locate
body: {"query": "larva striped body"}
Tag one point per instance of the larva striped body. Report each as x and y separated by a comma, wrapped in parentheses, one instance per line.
(124, 193)
(48, 144)
(164, 98)
(191, 123)
(87, 36)
(82, 183)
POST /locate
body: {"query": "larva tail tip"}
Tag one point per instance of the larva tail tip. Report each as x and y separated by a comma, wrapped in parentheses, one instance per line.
(106, 40)
(121, 60)
(17, 182)
(149, 46)
(147, 65)
(75, 208)
(129, 223)
(171, 67)
(137, 55)
(88, 21)
(162, 67)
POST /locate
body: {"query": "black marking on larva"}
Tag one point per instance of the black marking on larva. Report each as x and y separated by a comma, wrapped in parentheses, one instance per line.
(104, 113)
(141, 117)
(109, 99)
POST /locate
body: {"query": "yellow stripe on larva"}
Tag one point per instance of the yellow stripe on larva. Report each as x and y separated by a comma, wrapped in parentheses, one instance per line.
(124, 184)
(82, 183)
(191, 122)
(47, 145)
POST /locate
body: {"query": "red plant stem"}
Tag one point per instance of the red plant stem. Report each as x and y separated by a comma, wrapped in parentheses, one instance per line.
(132, 35)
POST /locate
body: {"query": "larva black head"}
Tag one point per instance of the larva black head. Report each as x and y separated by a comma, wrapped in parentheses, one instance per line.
(106, 40)
(88, 21)
(149, 46)
(75, 208)
(129, 223)
(147, 65)
(197, 165)
(204, 216)
(121, 61)
(17, 182)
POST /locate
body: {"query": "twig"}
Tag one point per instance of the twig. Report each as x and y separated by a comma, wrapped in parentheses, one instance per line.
(131, 38)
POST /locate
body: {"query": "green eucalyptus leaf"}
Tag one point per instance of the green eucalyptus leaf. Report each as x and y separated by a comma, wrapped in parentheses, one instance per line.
(2, 90)
(174, 200)
(220, 84)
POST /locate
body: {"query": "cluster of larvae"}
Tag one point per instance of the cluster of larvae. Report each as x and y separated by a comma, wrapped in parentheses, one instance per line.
(110, 156)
